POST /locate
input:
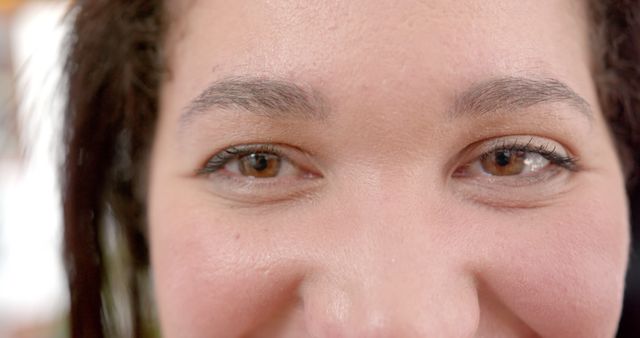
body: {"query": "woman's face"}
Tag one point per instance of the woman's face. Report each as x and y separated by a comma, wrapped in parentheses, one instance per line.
(384, 169)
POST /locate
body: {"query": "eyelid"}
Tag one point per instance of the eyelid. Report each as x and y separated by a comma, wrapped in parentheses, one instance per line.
(520, 191)
(220, 159)
(522, 142)
(552, 150)
(240, 190)
(531, 142)
(295, 156)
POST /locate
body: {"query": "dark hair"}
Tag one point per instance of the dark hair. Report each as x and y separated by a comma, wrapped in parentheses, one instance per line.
(114, 69)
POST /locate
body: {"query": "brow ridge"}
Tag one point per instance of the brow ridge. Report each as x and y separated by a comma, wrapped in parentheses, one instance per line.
(272, 98)
(282, 99)
(516, 93)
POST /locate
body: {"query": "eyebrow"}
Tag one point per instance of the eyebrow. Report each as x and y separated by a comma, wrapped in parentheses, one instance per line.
(268, 97)
(282, 99)
(516, 93)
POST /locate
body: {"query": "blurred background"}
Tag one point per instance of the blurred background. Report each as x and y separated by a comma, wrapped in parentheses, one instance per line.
(33, 296)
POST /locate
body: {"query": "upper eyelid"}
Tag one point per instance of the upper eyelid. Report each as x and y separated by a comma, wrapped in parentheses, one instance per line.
(563, 159)
(540, 149)
(239, 150)
(552, 151)
(288, 153)
(530, 142)
(523, 141)
(474, 151)
(233, 152)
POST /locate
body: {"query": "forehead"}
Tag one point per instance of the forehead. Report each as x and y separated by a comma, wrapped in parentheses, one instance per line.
(360, 46)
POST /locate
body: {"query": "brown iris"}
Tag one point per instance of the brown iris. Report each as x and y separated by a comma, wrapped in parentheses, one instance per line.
(261, 165)
(504, 162)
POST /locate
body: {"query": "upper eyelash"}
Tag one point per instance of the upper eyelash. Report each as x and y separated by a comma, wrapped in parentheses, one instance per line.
(565, 161)
(219, 160)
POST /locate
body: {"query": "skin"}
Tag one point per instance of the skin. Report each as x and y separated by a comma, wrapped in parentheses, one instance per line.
(382, 227)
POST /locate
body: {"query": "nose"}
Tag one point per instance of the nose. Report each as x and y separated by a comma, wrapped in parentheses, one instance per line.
(383, 306)
(393, 278)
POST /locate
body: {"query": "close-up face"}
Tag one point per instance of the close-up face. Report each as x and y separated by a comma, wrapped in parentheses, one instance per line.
(384, 169)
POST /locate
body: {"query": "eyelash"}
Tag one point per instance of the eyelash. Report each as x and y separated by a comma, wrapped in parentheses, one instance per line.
(564, 161)
(220, 160)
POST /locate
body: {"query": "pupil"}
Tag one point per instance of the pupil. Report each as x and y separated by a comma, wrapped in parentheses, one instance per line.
(503, 158)
(259, 162)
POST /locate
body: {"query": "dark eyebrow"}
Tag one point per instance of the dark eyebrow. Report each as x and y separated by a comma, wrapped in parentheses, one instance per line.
(272, 98)
(514, 93)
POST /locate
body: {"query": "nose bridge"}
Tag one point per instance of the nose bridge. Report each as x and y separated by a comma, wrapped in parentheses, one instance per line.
(395, 280)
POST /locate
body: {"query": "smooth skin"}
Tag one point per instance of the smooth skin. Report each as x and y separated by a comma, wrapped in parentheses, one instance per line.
(381, 219)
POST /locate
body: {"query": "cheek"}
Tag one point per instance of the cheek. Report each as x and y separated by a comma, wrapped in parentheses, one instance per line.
(562, 270)
(217, 276)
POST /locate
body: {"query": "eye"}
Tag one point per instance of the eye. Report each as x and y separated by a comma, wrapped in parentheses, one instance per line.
(506, 162)
(259, 165)
(259, 161)
(512, 158)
